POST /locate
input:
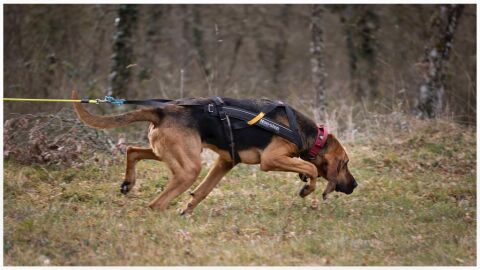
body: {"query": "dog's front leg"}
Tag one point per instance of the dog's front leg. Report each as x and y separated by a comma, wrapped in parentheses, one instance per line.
(308, 187)
(134, 154)
(328, 189)
(277, 157)
(303, 177)
(288, 164)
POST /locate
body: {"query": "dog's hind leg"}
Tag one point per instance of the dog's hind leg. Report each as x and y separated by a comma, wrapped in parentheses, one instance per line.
(134, 154)
(182, 157)
(216, 173)
(182, 178)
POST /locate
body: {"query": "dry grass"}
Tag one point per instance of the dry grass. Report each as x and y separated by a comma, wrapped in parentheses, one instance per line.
(415, 205)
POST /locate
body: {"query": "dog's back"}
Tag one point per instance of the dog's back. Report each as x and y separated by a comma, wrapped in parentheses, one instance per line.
(211, 130)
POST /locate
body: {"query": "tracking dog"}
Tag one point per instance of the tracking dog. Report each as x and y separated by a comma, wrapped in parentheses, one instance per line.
(177, 135)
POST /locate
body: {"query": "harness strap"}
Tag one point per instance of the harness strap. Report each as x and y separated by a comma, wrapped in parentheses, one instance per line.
(292, 122)
(290, 133)
(266, 110)
(227, 127)
(265, 123)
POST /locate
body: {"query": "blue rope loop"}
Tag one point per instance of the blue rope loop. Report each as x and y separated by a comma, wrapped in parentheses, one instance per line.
(115, 101)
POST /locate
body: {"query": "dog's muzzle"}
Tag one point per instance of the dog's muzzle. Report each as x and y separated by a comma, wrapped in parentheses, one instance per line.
(349, 190)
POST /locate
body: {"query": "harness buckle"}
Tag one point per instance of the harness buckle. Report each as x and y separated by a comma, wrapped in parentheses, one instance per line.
(222, 115)
(210, 108)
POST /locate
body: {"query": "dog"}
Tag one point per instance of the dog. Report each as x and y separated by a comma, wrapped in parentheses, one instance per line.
(177, 134)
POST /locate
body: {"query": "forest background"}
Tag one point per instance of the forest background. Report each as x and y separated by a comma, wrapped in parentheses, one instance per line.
(395, 83)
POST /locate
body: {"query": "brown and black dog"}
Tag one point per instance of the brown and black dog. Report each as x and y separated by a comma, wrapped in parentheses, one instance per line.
(177, 135)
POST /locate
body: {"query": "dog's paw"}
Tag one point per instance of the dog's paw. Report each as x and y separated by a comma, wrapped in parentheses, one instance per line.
(185, 210)
(305, 191)
(314, 204)
(125, 187)
(303, 177)
(181, 211)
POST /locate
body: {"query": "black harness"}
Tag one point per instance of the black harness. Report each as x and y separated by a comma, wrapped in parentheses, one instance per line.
(225, 112)
(218, 108)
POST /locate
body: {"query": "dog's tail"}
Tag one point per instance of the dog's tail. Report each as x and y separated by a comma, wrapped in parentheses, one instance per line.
(152, 115)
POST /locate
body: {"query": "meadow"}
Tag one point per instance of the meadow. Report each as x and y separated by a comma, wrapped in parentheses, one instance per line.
(415, 205)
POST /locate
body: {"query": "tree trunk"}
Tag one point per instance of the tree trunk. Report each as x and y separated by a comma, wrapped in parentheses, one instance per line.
(437, 52)
(346, 17)
(152, 41)
(360, 26)
(272, 45)
(197, 38)
(369, 25)
(123, 50)
(280, 48)
(239, 41)
(317, 49)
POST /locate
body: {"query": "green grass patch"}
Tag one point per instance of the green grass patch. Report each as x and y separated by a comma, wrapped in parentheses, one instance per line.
(415, 205)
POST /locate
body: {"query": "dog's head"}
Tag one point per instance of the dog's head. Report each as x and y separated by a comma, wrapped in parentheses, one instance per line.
(332, 164)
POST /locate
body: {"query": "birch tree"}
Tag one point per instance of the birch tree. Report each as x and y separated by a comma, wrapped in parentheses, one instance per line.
(436, 55)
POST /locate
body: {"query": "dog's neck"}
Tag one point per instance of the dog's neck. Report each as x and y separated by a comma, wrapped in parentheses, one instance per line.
(308, 132)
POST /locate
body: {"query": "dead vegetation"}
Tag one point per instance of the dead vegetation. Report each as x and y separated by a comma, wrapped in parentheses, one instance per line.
(59, 139)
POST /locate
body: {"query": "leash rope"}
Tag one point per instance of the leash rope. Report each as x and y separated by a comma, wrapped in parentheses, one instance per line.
(107, 99)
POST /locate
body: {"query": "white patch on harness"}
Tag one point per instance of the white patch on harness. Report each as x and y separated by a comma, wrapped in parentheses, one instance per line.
(269, 124)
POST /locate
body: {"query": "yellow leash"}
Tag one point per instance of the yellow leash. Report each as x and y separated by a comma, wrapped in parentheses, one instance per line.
(95, 101)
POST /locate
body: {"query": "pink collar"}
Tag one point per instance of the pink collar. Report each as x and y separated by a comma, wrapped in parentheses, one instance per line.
(320, 141)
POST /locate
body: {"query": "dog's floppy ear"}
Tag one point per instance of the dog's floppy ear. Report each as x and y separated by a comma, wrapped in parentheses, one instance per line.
(333, 168)
(333, 158)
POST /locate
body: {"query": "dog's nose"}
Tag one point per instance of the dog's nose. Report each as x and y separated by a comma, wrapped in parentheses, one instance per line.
(355, 184)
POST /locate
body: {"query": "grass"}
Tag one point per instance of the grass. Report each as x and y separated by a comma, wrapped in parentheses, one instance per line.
(415, 205)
